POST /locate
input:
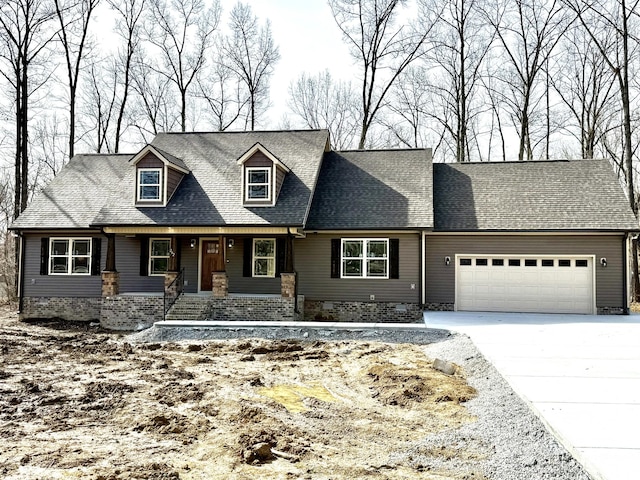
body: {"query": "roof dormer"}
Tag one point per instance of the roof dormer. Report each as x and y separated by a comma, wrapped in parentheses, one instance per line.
(158, 175)
(262, 177)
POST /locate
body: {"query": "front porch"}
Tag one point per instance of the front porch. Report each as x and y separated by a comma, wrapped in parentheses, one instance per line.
(206, 278)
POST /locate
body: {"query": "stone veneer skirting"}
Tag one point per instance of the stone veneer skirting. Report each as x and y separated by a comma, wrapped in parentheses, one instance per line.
(131, 312)
(372, 312)
(439, 307)
(75, 309)
(239, 308)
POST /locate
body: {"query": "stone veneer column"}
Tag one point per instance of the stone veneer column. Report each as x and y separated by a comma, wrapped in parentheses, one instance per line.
(220, 284)
(110, 284)
(288, 285)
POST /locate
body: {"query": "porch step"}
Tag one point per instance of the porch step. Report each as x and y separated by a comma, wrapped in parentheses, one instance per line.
(188, 307)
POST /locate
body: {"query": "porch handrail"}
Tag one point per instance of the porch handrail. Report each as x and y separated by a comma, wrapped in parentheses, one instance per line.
(173, 291)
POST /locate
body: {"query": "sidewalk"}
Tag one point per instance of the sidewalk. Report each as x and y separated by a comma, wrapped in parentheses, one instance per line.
(580, 373)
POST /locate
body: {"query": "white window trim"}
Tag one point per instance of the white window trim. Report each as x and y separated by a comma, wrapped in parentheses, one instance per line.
(268, 183)
(254, 258)
(160, 184)
(365, 259)
(70, 256)
(151, 256)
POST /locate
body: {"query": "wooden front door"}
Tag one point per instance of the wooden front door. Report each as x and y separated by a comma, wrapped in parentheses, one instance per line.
(212, 261)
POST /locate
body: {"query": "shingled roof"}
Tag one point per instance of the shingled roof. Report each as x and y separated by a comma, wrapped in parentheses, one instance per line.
(373, 189)
(572, 195)
(76, 195)
(211, 194)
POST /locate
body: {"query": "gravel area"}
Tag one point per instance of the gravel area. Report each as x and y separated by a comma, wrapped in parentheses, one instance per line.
(507, 442)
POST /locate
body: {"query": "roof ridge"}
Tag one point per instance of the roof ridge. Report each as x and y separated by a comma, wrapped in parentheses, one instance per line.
(246, 131)
(521, 162)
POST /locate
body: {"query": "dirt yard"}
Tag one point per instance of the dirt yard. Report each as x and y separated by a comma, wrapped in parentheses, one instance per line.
(77, 402)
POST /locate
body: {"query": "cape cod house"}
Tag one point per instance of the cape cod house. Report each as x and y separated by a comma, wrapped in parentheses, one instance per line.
(277, 225)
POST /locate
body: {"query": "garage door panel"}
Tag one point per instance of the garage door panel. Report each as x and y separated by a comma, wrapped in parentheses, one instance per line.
(526, 285)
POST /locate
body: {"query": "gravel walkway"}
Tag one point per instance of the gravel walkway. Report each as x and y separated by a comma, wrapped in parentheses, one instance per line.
(507, 442)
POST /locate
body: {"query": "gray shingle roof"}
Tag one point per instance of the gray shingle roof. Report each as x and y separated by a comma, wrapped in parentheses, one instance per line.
(74, 197)
(211, 193)
(543, 195)
(373, 189)
(173, 160)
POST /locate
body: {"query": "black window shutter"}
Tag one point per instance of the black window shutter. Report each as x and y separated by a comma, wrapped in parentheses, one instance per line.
(247, 254)
(394, 258)
(281, 250)
(144, 256)
(335, 258)
(96, 245)
(44, 256)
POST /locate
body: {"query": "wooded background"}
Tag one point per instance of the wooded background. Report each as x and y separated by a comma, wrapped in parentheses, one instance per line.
(474, 80)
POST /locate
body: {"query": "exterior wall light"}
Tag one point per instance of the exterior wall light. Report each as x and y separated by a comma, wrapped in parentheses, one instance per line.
(603, 261)
(230, 243)
(193, 243)
(447, 260)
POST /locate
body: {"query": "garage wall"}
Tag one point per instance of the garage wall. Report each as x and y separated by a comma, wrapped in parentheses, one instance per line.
(313, 265)
(440, 278)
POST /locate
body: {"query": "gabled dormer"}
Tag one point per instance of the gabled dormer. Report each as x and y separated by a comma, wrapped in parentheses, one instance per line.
(262, 177)
(158, 175)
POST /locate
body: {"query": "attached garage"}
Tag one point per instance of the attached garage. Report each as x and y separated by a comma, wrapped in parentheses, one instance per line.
(515, 283)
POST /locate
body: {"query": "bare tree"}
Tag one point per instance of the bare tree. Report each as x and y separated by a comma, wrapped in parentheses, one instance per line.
(74, 17)
(528, 31)
(158, 111)
(224, 95)
(100, 95)
(182, 31)
(320, 102)
(601, 20)
(461, 47)
(587, 87)
(128, 24)
(410, 106)
(383, 49)
(25, 34)
(251, 54)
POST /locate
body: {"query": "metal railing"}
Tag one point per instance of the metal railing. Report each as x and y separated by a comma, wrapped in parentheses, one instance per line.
(173, 291)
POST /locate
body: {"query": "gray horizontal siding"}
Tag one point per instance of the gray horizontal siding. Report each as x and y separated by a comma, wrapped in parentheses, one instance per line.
(36, 285)
(313, 265)
(609, 281)
(189, 262)
(128, 264)
(250, 285)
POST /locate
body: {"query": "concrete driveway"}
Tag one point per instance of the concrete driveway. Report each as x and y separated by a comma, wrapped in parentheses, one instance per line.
(580, 374)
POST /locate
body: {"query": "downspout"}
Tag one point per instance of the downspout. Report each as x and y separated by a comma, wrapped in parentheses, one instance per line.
(423, 262)
(626, 245)
(20, 283)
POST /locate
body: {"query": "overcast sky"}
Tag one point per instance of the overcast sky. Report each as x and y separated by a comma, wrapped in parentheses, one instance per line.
(309, 41)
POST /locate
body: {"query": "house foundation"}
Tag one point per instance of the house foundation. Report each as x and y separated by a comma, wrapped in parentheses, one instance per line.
(366, 312)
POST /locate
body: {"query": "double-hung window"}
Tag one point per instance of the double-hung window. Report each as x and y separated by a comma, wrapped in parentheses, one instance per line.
(365, 258)
(264, 257)
(70, 256)
(159, 255)
(149, 184)
(258, 183)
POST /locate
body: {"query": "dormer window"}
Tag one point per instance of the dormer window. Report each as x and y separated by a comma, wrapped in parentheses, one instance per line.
(158, 175)
(263, 175)
(258, 183)
(149, 184)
